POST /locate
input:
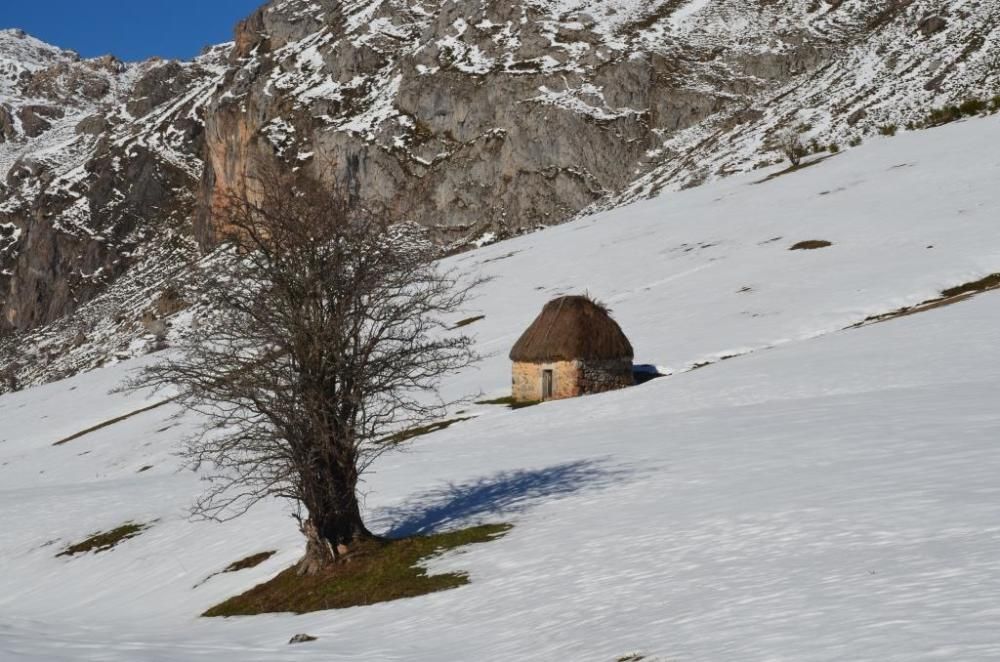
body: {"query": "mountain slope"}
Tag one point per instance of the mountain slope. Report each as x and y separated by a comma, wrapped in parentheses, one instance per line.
(100, 163)
(497, 117)
(478, 119)
(798, 502)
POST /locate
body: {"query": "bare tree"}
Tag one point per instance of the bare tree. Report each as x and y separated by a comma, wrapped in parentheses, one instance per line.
(790, 144)
(328, 332)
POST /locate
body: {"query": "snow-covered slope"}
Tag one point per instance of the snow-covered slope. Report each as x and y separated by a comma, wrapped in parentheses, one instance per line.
(829, 496)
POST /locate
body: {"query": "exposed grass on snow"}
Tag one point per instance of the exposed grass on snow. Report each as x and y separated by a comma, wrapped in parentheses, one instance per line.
(420, 430)
(467, 321)
(111, 422)
(382, 571)
(990, 282)
(105, 540)
(793, 168)
(251, 561)
(948, 297)
(509, 401)
(810, 244)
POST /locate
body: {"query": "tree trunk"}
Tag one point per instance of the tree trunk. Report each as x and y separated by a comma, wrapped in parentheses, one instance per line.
(332, 535)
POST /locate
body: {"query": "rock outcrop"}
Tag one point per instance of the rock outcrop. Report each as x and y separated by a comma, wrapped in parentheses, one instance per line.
(473, 118)
(98, 157)
(496, 117)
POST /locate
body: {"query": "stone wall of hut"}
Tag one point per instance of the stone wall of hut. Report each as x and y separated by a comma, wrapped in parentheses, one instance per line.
(599, 376)
(526, 384)
(570, 378)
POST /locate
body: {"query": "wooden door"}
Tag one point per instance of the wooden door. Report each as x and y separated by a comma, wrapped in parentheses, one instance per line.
(546, 384)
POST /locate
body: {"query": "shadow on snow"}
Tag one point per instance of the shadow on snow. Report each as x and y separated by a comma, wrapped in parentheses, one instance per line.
(502, 494)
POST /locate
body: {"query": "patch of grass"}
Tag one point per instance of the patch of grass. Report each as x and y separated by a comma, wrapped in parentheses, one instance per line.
(467, 321)
(251, 561)
(111, 422)
(810, 244)
(509, 401)
(888, 130)
(793, 168)
(948, 297)
(501, 257)
(410, 433)
(991, 282)
(105, 540)
(382, 571)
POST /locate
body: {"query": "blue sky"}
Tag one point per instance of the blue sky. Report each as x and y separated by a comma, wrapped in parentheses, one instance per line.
(130, 29)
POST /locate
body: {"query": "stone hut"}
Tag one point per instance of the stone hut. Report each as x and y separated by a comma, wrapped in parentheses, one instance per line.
(572, 348)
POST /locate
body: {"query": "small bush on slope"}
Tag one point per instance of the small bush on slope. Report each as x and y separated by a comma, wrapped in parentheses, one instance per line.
(971, 107)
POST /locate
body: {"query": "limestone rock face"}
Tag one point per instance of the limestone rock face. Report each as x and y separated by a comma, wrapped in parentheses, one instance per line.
(497, 117)
(97, 158)
(469, 117)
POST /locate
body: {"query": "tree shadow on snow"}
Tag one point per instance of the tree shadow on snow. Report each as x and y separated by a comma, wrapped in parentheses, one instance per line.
(502, 494)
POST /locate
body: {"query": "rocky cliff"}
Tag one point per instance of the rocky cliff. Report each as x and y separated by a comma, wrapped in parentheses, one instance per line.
(493, 117)
(487, 117)
(98, 158)
(478, 119)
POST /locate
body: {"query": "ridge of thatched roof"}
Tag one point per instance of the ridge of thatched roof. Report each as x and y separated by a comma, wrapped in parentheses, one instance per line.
(572, 327)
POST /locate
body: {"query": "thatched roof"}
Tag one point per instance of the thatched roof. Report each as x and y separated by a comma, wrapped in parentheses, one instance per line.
(572, 327)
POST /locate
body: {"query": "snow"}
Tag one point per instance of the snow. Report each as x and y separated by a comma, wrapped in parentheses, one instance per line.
(829, 494)
(576, 99)
(608, 14)
(379, 107)
(678, 18)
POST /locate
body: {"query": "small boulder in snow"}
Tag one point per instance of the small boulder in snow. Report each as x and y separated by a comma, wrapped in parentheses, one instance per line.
(932, 25)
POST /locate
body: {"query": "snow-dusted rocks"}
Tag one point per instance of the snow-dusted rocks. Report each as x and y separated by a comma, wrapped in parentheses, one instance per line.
(97, 158)
(500, 116)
